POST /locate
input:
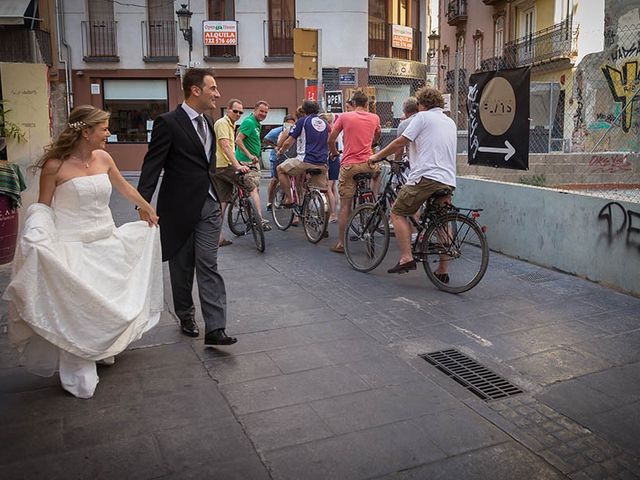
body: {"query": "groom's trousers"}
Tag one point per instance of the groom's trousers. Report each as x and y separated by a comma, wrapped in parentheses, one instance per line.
(200, 252)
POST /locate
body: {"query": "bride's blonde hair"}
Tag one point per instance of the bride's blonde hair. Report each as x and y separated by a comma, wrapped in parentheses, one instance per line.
(81, 118)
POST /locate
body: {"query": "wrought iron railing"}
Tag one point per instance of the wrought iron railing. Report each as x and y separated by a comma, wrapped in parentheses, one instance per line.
(456, 11)
(100, 40)
(381, 42)
(20, 45)
(159, 40)
(553, 43)
(278, 38)
(494, 63)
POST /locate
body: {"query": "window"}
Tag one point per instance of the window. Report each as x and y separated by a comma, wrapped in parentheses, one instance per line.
(282, 21)
(161, 29)
(446, 60)
(477, 52)
(460, 50)
(134, 104)
(100, 31)
(498, 37)
(222, 10)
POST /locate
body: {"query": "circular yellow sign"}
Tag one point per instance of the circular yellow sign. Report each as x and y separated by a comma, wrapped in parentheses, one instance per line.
(497, 106)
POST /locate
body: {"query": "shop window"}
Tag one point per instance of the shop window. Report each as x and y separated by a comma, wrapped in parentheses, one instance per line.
(133, 105)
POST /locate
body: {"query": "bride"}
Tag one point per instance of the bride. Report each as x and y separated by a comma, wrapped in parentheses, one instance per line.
(82, 289)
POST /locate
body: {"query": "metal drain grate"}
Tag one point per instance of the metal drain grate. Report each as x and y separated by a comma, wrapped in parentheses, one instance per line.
(472, 375)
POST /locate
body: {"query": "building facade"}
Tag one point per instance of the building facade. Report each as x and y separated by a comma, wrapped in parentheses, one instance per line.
(549, 36)
(128, 57)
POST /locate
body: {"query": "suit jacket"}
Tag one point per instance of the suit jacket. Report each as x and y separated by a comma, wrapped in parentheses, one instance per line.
(176, 148)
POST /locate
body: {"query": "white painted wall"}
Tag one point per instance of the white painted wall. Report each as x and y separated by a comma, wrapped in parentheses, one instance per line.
(344, 25)
(557, 229)
(589, 17)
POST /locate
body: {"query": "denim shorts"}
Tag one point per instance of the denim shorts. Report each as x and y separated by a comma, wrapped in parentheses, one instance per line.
(334, 169)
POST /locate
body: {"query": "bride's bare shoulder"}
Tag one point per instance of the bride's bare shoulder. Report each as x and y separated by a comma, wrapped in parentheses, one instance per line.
(51, 166)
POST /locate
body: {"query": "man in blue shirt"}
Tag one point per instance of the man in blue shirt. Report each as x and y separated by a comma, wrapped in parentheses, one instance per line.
(312, 134)
(271, 139)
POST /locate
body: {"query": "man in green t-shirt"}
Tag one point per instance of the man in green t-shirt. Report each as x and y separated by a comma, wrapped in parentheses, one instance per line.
(248, 140)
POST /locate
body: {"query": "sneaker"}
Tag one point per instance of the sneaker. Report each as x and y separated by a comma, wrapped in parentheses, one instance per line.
(266, 226)
(269, 207)
(413, 237)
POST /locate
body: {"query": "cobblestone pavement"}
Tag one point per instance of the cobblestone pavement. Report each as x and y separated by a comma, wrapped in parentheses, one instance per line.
(326, 381)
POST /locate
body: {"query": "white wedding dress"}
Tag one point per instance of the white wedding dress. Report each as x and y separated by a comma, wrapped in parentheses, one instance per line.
(81, 289)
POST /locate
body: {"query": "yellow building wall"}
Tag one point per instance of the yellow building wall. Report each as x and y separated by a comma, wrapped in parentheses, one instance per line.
(544, 13)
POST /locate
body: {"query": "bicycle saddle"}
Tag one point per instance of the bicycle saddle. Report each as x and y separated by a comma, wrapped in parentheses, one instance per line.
(440, 193)
(362, 176)
(314, 171)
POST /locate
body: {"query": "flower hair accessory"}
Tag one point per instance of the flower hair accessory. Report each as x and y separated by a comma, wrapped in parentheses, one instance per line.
(77, 126)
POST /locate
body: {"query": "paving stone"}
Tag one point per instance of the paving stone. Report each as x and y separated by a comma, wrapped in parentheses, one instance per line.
(18, 379)
(506, 461)
(252, 322)
(556, 365)
(197, 445)
(117, 458)
(37, 438)
(284, 390)
(236, 469)
(282, 427)
(617, 349)
(324, 354)
(371, 408)
(364, 454)
(576, 397)
(620, 425)
(383, 370)
(241, 368)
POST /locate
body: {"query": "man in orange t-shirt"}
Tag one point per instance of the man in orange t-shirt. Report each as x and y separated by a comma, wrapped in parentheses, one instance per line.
(361, 130)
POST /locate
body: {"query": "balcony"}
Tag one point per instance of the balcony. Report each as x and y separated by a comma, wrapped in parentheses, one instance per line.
(221, 53)
(494, 63)
(278, 40)
(494, 2)
(456, 12)
(100, 41)
(556, 43)
(159, 41)
(19, 45)
(380, 43)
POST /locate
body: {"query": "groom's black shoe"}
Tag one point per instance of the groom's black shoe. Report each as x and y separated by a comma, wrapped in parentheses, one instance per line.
(189, 327)
(219, 337)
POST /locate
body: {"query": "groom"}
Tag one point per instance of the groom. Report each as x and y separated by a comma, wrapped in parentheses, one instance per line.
(183, 145)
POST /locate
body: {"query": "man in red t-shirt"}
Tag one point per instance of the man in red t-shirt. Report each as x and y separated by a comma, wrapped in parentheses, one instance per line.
(361, 130)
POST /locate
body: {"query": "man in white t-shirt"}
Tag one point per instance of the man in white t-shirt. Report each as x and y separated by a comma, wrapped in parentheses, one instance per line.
(431, 138)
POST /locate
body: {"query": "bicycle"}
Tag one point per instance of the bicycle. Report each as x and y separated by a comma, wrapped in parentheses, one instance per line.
(445, 233)
(312, 210)
(243, 216)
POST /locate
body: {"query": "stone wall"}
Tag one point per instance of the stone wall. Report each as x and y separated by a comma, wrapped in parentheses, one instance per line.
(565, 169)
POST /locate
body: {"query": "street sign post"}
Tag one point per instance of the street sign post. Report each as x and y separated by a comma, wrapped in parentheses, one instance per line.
(498, 105)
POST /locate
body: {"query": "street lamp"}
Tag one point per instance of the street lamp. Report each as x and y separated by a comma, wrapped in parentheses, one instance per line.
(184, 24)
(434, 42)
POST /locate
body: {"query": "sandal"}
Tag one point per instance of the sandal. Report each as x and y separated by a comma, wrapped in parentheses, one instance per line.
(225, 242)
(443, 277)
(337, 249)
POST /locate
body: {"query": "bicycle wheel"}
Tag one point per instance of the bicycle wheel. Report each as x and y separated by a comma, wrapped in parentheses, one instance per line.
(314, 217)
(255, 224)
(236, 216)
(282, 217)
(366, 239)
(460, 246)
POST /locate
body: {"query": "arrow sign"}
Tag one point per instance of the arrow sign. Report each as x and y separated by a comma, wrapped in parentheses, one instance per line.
(508, 152)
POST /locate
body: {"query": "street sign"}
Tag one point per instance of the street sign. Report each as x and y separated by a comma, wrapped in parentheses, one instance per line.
(498, 106)
(311, 93)
(333, 101)
(220, 33)
(348, 78)
(305, 53)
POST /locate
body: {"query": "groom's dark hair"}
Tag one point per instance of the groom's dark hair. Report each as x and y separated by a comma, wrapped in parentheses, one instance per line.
(194, 77)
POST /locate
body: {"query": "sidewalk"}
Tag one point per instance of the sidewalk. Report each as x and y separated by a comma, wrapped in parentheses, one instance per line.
(326, 382)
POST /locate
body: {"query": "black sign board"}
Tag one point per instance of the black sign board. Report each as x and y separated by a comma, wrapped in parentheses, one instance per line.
(498, 107)
(333, 101)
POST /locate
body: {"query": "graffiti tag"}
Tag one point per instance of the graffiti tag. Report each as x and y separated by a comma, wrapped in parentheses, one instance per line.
(610, 164)
(474, 142)
(623, 86)
(622, 52)
(627, 218)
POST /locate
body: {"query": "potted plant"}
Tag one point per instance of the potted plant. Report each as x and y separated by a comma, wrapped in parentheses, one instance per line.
(11, 185)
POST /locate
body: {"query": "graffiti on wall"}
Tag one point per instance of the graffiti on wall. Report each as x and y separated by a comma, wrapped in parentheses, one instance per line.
(624, 84)
(610, 163)
(621, 222)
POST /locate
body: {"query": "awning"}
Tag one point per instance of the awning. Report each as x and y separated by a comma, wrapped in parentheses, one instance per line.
(12, 12)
